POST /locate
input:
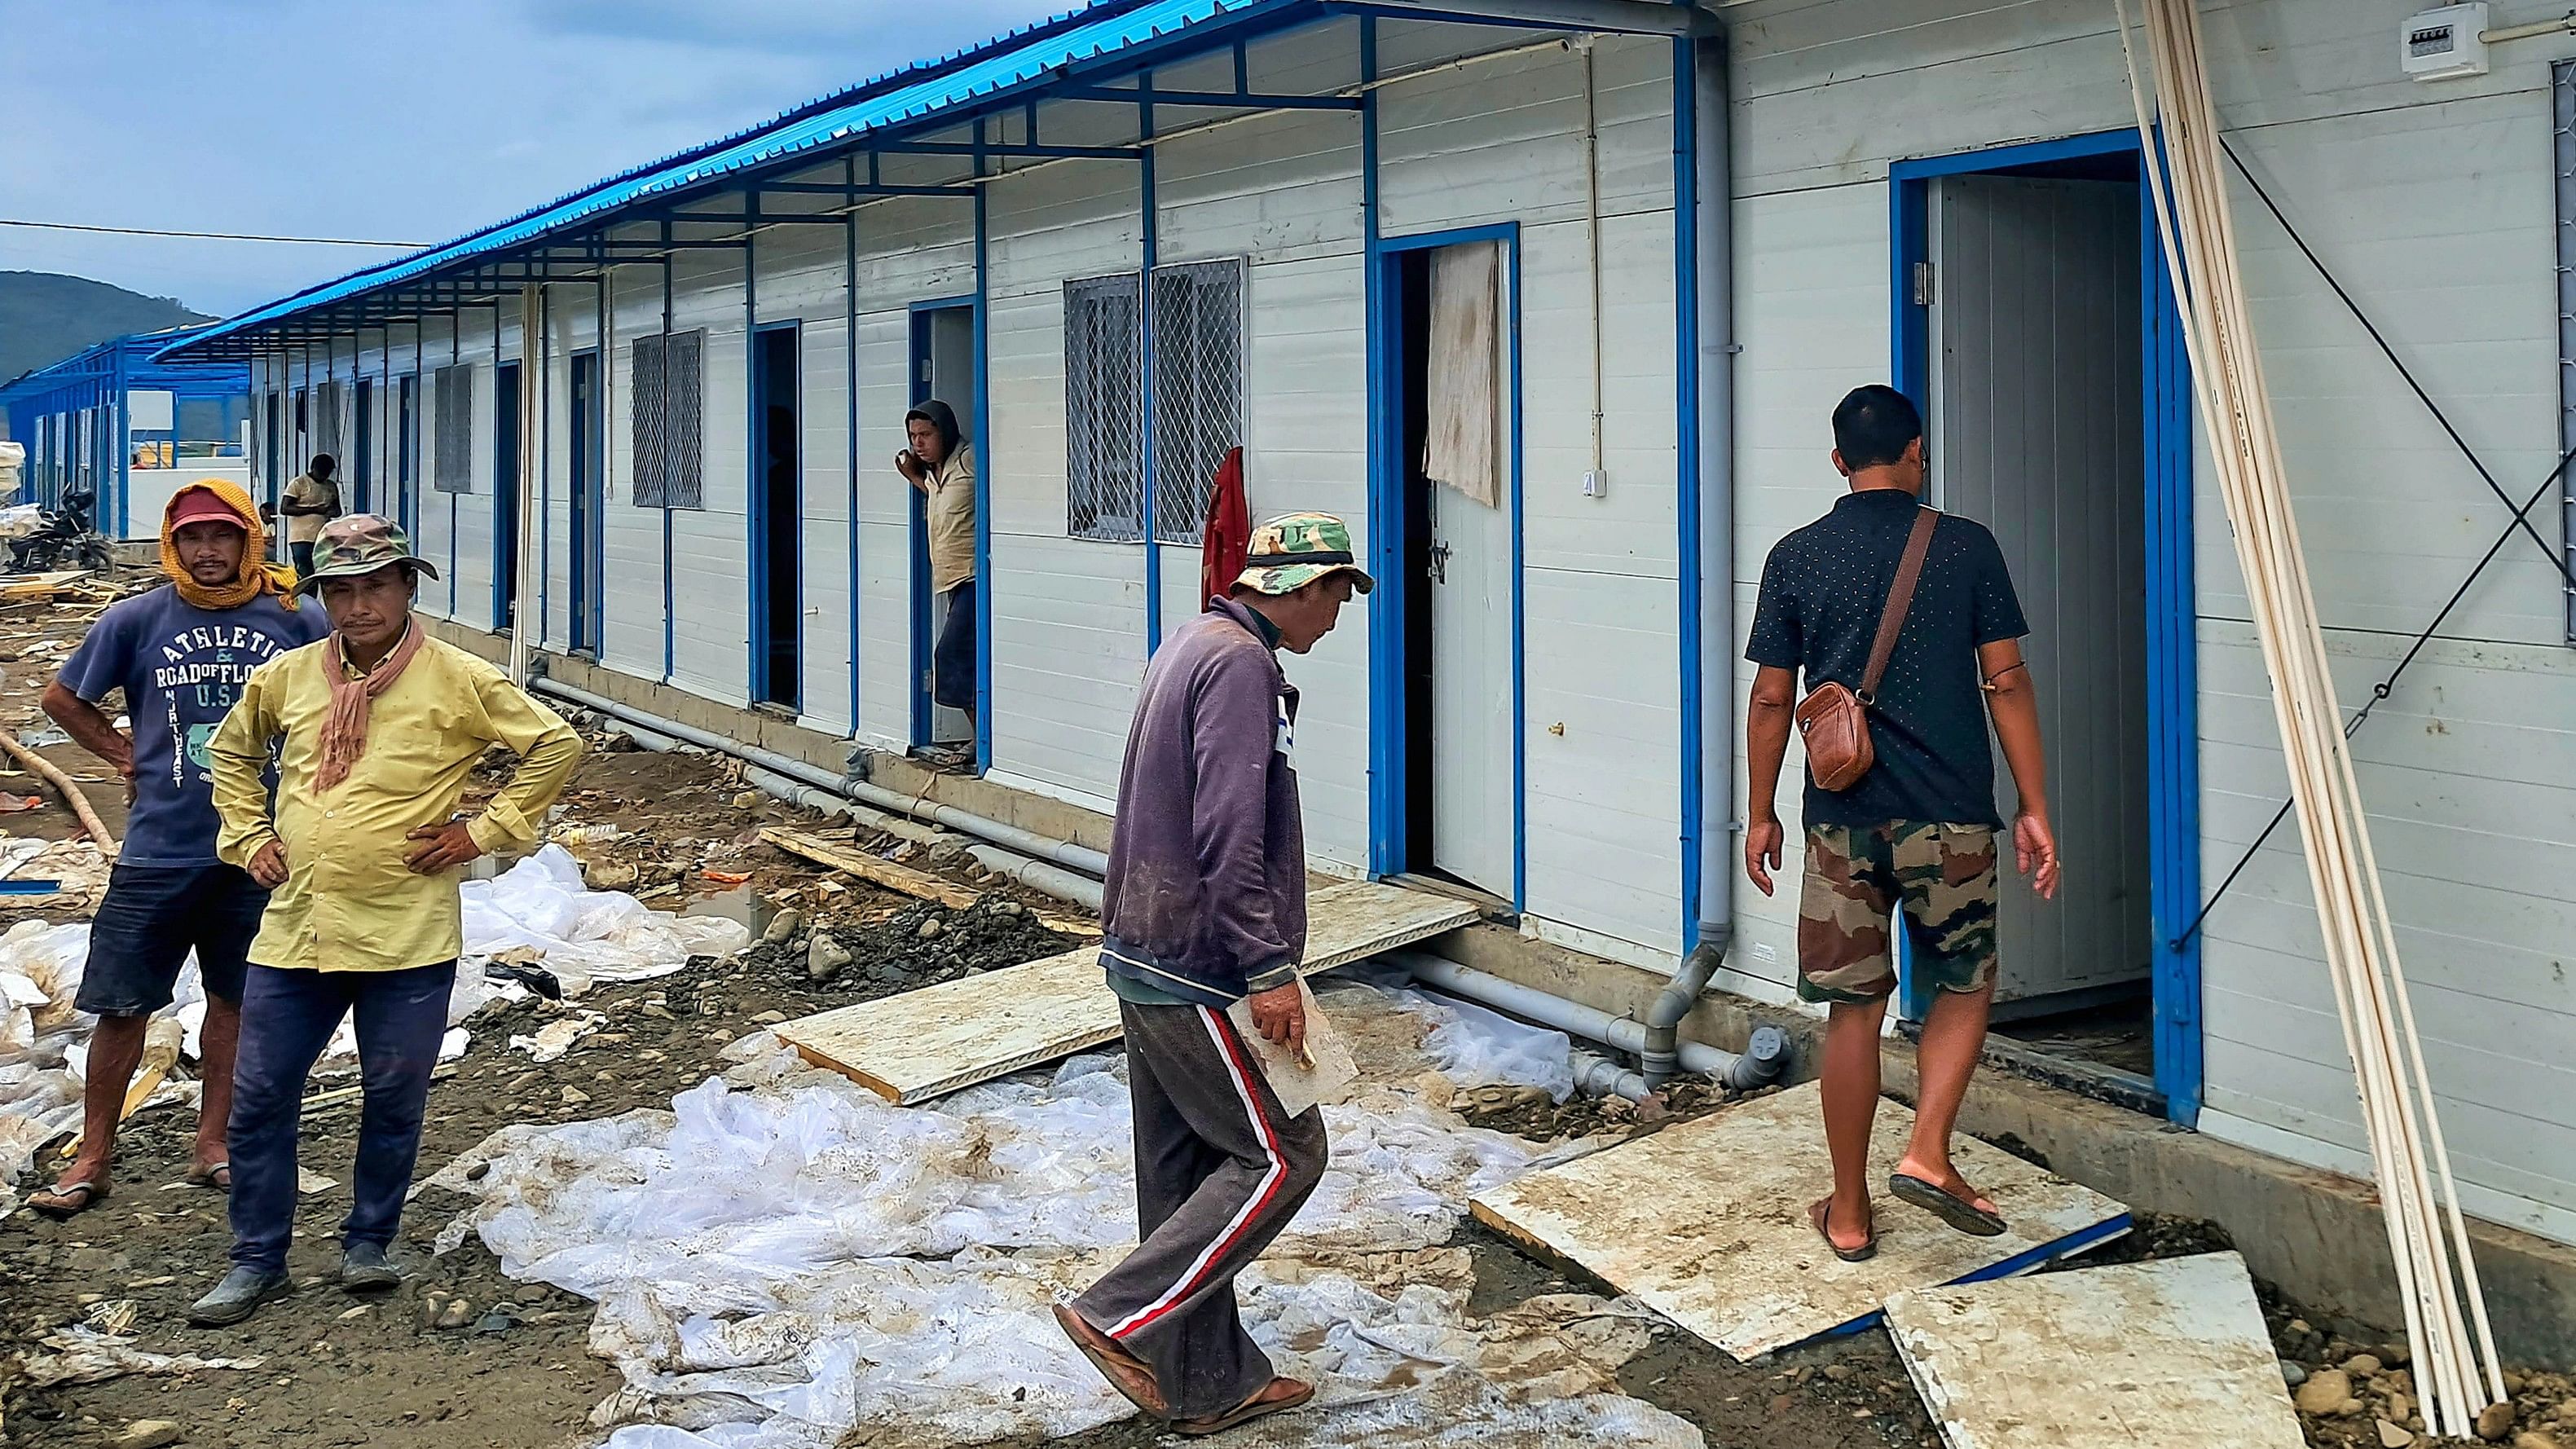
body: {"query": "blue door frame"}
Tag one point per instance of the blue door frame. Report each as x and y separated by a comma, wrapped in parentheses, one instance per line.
(1390, 543)
(918, 384)
(756, 502)
(589, 497)
(2173, 689)
(505, 493)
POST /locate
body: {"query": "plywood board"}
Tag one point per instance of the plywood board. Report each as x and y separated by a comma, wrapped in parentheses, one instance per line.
(2173, 1355)
(896, 876)
(927, 1043)
(1707, 1222)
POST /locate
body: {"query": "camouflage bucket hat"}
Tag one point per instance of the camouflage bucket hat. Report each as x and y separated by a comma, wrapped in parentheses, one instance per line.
(1292, 551)
(361, 543)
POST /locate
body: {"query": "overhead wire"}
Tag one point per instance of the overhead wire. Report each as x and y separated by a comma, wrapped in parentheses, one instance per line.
(318, 241)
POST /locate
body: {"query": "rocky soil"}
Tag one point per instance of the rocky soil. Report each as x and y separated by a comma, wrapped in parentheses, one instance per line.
(462, 1358)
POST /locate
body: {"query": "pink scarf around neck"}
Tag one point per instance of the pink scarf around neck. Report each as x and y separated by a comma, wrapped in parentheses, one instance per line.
(344, 729)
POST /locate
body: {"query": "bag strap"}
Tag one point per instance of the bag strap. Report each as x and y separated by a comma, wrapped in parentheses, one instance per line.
(1900, 597)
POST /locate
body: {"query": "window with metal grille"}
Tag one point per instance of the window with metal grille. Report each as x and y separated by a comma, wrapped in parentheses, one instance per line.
(451, 439)
(326, 423)
(666, 403)
(1104, 384)
(1198, 388)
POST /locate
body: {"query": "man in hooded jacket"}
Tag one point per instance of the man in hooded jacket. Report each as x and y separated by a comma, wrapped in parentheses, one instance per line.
(940, 463)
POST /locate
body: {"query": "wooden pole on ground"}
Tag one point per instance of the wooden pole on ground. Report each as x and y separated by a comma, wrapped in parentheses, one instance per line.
(63, 786)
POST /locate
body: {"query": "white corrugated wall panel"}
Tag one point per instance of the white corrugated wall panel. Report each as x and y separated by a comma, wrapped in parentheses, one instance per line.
(631, 541)
(885, 531)
(711, 636)
(2457, 267)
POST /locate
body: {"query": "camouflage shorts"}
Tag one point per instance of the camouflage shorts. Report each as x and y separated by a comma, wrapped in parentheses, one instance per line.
(1944, 875)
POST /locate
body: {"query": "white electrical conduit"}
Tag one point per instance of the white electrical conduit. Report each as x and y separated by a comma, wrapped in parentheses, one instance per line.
(1037, 875)
(2437, 1275)
(1764, 1061)
(1010, 837)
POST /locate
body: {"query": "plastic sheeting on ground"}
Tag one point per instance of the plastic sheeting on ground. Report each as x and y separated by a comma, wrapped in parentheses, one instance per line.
(586, 936)
(785, 1261)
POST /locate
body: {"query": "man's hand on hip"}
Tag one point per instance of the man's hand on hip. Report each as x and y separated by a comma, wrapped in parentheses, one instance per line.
(1280, 1013)
(268, 866)
(442, 847)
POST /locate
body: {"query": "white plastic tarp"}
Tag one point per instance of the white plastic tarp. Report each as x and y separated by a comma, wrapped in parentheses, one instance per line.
(785, 1261)
(586, 936)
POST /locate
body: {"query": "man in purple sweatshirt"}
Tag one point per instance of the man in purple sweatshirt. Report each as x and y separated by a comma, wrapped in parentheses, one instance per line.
(1205, 906)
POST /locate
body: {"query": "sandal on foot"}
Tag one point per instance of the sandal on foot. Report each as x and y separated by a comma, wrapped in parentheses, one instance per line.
(219, 1177)
(1820, 1210)
(1260, 1405)
(1131, 1376)
(1949, 1207)
(68, 1199)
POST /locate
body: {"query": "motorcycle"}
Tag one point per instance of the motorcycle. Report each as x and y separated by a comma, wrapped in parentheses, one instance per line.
(64, 537)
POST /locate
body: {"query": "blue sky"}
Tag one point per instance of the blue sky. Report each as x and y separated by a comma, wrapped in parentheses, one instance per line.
(408, 122)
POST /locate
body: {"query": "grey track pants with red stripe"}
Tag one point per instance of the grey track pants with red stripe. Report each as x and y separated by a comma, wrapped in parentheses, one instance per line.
(1220, 1170)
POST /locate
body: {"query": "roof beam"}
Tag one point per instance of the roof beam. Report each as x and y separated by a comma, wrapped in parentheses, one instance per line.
(1126, 95)
(855, 191)
(1012, 149)
(1609, 17)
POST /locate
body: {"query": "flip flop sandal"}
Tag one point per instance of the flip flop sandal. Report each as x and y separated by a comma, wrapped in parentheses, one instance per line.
(1957, 1211)
(1250, 1409)
(63, 1205)
(219, 1177)
(1819, 1210)
(1115, 1363)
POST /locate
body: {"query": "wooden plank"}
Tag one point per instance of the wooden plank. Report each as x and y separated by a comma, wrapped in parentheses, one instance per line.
(927, 1043)
(2174, 1352)
(1707, 1223)
(40, 586)
(896, 876)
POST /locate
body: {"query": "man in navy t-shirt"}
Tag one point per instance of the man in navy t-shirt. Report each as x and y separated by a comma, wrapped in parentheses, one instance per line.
(1913, 839)
(181, 654)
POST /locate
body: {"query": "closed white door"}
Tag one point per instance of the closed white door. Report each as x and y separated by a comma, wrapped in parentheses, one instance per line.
(1471, 689)
(2036, 434)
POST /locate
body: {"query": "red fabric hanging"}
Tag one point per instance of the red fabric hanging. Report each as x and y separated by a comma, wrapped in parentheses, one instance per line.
(1229, 530)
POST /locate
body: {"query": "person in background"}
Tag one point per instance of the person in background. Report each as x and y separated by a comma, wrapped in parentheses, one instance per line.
(1913, 838)
(377, 731)
(1204, 906)
(312, 499)
(940, 463)
(180, 654)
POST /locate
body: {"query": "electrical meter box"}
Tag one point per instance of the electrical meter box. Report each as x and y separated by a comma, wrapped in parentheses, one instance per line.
(2443, 44)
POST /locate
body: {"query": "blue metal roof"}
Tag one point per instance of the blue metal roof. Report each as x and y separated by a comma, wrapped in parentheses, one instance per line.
(903, 99)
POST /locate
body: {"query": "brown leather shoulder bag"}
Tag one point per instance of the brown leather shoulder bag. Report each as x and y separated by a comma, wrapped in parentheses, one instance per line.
(1834, 720)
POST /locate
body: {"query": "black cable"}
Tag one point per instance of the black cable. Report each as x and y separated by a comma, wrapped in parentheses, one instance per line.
(2380, 691)
(318, 241)
(2556, 560)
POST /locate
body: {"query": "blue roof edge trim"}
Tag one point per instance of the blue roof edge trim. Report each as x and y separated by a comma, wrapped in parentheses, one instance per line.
(907, 97)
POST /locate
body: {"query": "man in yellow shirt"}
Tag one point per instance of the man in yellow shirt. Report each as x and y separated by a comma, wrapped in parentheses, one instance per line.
(378, 729)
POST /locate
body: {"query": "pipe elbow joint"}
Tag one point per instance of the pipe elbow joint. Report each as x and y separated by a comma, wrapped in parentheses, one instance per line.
(1661, 1056)
(1765, 1060)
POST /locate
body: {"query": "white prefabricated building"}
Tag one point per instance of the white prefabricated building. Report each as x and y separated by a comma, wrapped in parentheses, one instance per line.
(1125, 241)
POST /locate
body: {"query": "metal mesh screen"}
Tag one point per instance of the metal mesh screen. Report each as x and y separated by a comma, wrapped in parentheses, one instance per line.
(683, 453)
(665, 399)
(452, 428)
(1104, 409)
(2563, 118)
(1198, 388)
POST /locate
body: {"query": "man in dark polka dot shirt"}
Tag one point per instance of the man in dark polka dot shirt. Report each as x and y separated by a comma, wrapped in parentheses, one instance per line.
(1914, 835)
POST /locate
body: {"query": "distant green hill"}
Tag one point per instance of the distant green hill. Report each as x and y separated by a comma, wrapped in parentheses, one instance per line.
(46, 317)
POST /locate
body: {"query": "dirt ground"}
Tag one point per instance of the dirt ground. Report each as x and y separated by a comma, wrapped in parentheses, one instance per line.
(515, 1374)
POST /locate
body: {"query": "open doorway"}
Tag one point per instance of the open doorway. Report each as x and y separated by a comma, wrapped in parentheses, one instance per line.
(589, 484)
(777, 568)
(1446, 511)
(943, 367)
(2038, 336)
(505, 496)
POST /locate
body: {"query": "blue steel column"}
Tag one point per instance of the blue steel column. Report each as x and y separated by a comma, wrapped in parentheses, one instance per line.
(850, 388)
(668, 592)
(754, 490)
(985, 474)
(1151, 253)
(1386, 513)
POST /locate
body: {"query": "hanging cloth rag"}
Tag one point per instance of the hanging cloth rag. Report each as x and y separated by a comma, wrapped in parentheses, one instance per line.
(1228, 536)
